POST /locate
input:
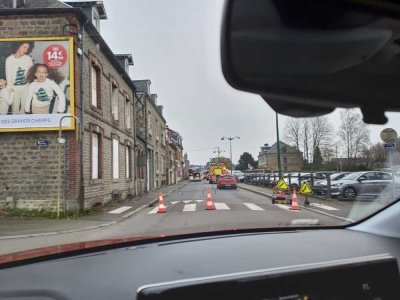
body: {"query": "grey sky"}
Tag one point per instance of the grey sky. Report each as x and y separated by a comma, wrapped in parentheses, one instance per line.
(175, 44)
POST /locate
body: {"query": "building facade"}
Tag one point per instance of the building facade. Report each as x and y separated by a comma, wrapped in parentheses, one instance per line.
(291, 158)
(115, 150)
(98, 166)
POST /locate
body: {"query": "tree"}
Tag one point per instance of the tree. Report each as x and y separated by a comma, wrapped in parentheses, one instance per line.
(317, 158)
(292, 132)
(353, 133)
(245, 160)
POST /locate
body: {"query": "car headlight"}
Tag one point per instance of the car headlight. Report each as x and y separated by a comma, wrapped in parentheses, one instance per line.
(336, 185)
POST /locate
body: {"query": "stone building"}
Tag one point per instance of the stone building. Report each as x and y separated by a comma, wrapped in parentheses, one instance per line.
(155, 136)
(291, 158)
(98, 92)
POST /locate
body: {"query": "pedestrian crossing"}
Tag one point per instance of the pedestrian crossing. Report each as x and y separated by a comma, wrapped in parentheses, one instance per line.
(199, 205)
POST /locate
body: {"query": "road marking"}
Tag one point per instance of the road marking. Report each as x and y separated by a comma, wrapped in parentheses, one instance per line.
(253, 206)
(304, 222)
(153, 211)
(187, 201)
(190, 207)
(198, 201)
(319, 205)
(283, 206)
(174, 202)
(120, 210)
(221, 206)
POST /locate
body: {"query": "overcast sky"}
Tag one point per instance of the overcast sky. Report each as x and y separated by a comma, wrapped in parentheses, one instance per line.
(175, 44)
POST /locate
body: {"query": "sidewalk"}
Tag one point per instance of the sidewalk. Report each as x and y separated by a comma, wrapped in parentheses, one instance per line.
(16, 227)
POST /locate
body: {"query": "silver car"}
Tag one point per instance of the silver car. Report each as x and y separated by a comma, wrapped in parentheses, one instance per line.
(361, 184)
(321, 186)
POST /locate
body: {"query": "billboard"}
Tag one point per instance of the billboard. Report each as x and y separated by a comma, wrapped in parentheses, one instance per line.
(36, 84)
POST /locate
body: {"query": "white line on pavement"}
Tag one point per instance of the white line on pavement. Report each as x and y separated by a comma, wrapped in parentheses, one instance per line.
(252, 206)
(323, 206)
(283, 206)
(120, 210)
(175, 202)
(153, 211)
(198, 201)
(190, 207)
(187, 201)
(304, 222)
(221, 206)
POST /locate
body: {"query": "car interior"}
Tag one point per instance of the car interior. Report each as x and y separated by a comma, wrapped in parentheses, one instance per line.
(305, 58)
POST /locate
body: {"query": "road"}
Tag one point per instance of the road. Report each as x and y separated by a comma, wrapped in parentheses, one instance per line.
(186, 213)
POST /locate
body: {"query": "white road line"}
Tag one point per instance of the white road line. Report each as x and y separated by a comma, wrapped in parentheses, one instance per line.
(304, 222)
(190, 207)
(221, 206)
(120, 210)
(323, 206)
(187, 201)
(252, 206)
(198, 201)
(153, 211)
(283, 206)
(175, 202)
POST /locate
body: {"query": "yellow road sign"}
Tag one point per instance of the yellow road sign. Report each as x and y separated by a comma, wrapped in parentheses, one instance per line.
(281, 184)
(305, 188)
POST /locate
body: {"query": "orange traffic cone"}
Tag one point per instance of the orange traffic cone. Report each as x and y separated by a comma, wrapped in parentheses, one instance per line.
(295, 205)
(161, 207)
(210, 204)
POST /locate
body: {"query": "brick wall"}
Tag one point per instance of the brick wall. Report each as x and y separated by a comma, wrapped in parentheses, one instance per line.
(101, 190)
(28, 175)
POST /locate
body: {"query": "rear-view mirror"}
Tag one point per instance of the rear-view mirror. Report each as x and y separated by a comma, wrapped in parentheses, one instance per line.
(306, 57)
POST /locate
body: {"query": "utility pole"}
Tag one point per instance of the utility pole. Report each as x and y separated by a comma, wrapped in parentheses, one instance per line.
(278, 145)
(218, 152)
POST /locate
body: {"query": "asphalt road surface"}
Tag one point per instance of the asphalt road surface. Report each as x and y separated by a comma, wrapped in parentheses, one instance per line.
(186, 213)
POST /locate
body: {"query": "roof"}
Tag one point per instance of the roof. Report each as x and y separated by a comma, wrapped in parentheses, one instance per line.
(125, 56)
(285, 149)
(39, 3)
(98, 4)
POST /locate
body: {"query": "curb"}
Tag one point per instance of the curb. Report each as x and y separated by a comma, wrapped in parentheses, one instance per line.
(124, 217)
(302, 206)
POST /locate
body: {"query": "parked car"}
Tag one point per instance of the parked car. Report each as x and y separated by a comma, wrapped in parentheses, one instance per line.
(321, 186)
(226, 181)
(361, 184)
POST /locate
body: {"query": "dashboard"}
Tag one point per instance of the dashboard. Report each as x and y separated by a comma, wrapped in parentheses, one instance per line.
(299, 264)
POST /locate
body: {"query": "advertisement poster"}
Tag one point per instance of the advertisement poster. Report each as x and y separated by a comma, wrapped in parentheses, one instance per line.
(36, 84)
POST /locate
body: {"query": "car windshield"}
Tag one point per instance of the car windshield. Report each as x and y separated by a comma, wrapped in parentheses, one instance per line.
(116, 121)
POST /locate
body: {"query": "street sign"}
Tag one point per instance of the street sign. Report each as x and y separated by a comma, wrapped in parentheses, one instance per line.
(389, 136)
(281, 184)
(390, 146)
(42, 144)
(305, 188)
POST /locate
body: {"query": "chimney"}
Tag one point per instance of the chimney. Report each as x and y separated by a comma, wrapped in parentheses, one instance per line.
(160, 108)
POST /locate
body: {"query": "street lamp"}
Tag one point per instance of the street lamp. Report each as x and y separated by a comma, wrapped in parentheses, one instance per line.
(230, 147)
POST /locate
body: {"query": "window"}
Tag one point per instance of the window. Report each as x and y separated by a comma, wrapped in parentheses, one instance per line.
(115, 158)
(95, 85)
(114, 101)
(95, 155)
(95, 81)
(128, 167)
(285, 160)
(128, 112)
(96, 21)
